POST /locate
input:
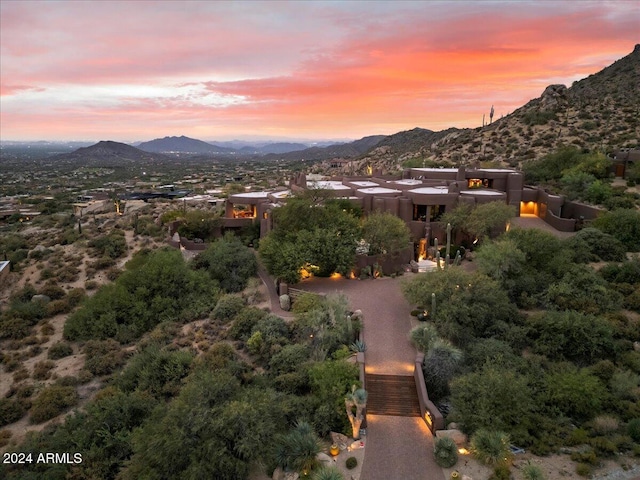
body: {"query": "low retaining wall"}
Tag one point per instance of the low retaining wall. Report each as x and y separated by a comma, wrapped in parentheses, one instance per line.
(428, 410)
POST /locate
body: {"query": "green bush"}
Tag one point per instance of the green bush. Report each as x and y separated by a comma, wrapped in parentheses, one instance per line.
(490, 447)
(445, 452)
(501, 472)
(228, 306)
(244, 322)
(351, 463)
(10, 411)
(633, 429)
(531, 471)
(42, 370)
(113, 245)
(584, 470)
(59, 350)
(51, 402)
(103, 356)
(327, 473)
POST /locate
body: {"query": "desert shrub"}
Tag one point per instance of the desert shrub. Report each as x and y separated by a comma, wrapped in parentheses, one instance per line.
(59, 350)
(584, 470)
(47, 329)
(306, 302)
(90, 285)
(633, 429)
(51, 402)
(53, 291)
(603, 446)
(13, 328)
(576, 393)
(42, 370)
(624, 224)
(297, 450)
(289, 359)
(244, 322)
(5, 435)
(75, 296)
(327, 473)
(113, 245)
(67, 381)
(423, 336)
(229, 262)
(605, 424)
(228, 306)
(439, 366)
(103, 356)
(156, 370)
(351, 463)
(490, 447)
(531, 471)
(10, 411)
(57, 307)
(445, 452)
(591, 245)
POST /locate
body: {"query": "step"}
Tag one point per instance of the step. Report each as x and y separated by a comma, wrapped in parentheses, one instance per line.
(392, 395)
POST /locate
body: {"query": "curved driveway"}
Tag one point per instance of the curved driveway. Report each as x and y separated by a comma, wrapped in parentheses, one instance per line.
(397, 448)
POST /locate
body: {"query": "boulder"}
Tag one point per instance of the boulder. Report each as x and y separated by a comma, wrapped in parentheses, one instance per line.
(40, 298)
(285, 302)
(324, 459)
(340, 440)
(456, 435)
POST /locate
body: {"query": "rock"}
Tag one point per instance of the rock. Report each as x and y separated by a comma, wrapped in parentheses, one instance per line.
(285, 302)
(324, 459)
(554, 96)
(40, 298)
(636, 346)
(453, 426)
(341, 440)
(279, 474)
(176, 237)
(466, 477)
(357, 315)
(456, 435)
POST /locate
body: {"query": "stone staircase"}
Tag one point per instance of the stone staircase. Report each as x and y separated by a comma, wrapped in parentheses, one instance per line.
(392, 395)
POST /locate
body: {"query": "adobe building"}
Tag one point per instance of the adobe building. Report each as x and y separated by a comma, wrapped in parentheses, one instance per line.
(622, 160)
(420, 196)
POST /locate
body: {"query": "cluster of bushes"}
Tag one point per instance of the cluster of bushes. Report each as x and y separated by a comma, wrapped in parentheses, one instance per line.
(226, 413)
(163, 288)
(579, 362)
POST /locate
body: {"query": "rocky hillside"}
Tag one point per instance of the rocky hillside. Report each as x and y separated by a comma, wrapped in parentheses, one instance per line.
(601, 112)
(109, 154)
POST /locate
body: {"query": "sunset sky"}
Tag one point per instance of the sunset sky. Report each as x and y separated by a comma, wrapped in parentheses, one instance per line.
(126, 70)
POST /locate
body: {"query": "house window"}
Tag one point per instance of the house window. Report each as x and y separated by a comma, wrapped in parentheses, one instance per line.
(480, 183)
(436, 212)
(419, 213)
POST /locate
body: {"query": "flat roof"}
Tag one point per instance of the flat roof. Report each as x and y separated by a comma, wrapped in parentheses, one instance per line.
(450, 170)
(328, 185)
(375, 190)
(495, 170)
(4, 264)
(281, 194)
(365, 183)
(251, 195)
(431, 190)
(482, 192)
(407, 181)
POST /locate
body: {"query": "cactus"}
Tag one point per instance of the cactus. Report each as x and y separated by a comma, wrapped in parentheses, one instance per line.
(446, 261)
(79, 227)
(358, 346)
(448, 239)
(458, 258)
(433, 306)
(438, 259)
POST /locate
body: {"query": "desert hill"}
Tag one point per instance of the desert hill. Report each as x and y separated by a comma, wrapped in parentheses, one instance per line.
(109, 154)
(182, 144)
(601, 112)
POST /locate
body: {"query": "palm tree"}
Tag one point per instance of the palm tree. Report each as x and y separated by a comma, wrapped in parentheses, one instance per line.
(357, 399)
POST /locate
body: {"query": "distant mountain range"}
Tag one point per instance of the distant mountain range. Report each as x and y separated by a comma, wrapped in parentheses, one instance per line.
(112, 154)
(186, 145)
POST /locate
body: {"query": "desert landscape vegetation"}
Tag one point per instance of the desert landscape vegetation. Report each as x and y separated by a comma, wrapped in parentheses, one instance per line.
(177, 308)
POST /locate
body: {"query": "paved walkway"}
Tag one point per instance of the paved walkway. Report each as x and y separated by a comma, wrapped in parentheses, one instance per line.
(397, 448)
(533, 221)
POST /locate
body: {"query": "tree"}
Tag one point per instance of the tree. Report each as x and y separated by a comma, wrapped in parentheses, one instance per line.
(571, 335)
(501, 260)
(386, 233)
(623, 224)
(480, 221)
(495, 397)
(229, 262)
(356, 399)
(575, 393)
(470, 305)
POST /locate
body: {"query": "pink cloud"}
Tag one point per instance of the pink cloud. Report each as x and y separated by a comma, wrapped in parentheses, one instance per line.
(321, 68)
